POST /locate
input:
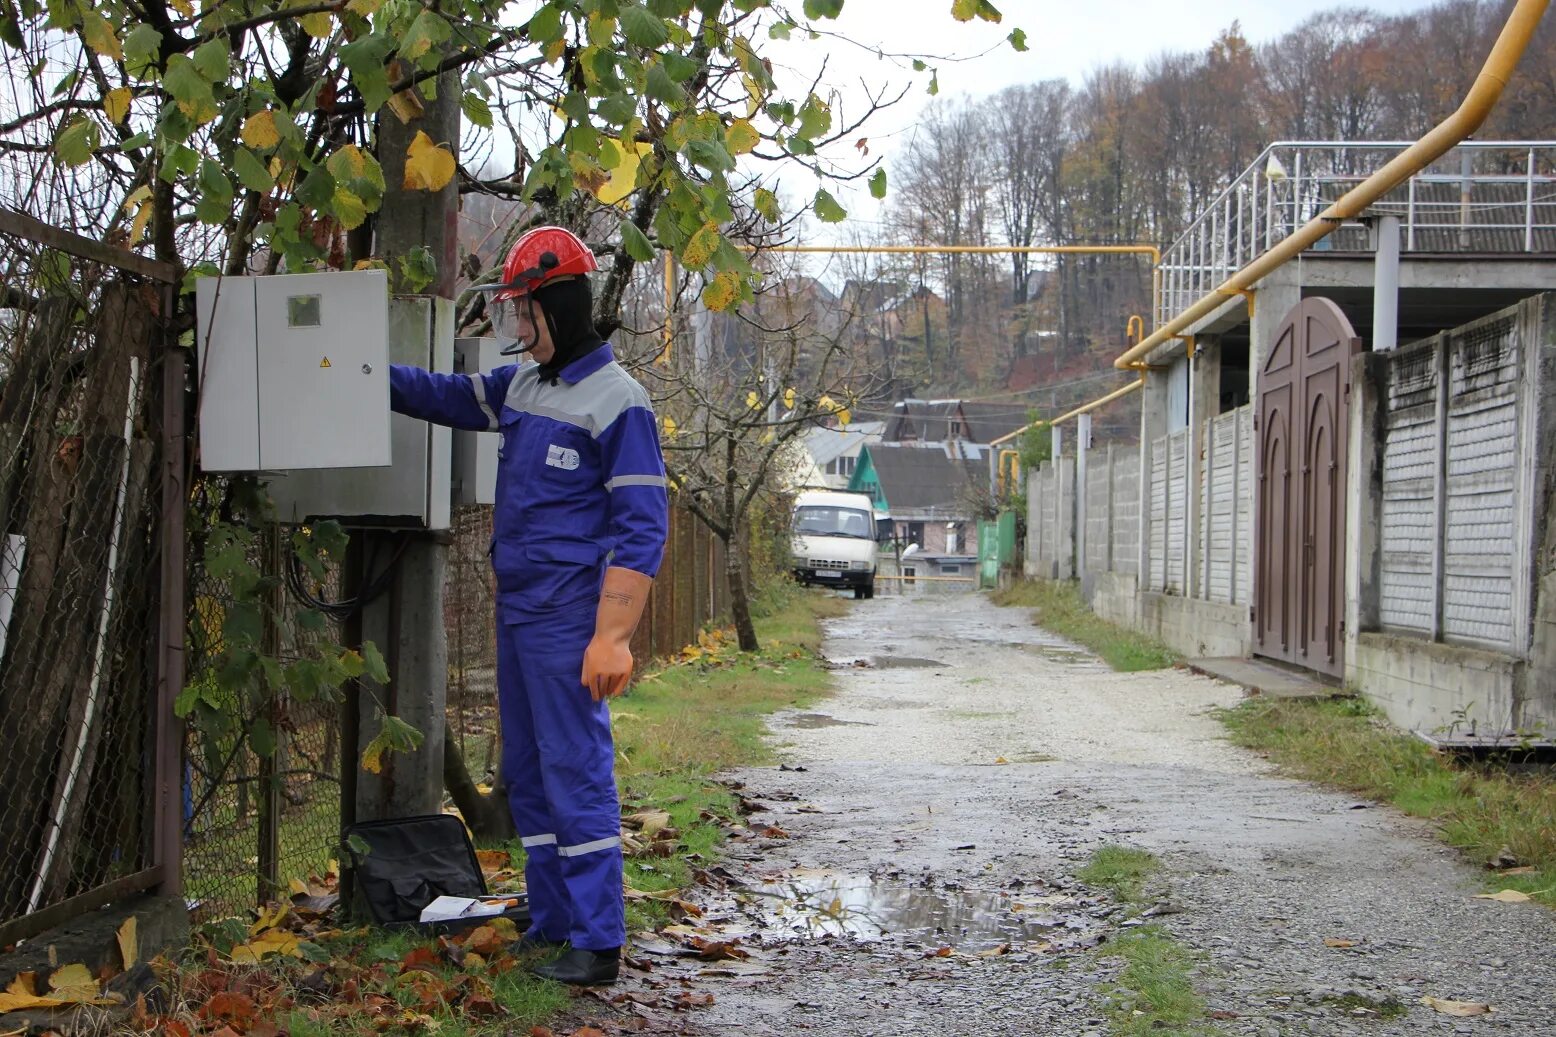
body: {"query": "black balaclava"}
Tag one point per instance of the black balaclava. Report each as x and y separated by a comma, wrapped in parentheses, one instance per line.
(568, 310)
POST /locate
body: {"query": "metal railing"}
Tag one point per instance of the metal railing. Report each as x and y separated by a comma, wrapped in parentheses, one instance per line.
(1491, 197)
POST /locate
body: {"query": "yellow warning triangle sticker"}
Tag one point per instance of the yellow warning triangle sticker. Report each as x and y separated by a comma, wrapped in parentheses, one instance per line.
(325, 362)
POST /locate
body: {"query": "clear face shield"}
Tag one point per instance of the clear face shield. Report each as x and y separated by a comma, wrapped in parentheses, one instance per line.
(512, 324)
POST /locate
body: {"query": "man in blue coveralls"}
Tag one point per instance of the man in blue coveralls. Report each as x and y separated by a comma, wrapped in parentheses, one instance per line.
(579, 530)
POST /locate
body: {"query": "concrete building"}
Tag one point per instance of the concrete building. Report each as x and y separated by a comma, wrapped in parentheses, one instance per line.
(1349, 481)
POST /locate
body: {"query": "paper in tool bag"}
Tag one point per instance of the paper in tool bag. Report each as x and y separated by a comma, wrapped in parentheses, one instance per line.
(404, 865)
(448, 909)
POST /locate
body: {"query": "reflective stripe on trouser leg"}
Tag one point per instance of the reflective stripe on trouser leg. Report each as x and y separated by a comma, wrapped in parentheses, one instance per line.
(550, 914)
(577, 765)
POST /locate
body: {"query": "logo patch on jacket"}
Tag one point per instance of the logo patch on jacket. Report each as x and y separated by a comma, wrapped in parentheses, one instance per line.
(562, 457)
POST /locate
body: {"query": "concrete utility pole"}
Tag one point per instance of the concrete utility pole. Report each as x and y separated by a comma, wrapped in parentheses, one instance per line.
(406, 620)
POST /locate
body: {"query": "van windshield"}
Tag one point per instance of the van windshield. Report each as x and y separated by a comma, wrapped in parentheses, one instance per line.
(833, 522)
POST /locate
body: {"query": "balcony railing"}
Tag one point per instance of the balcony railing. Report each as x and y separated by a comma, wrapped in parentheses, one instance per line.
(1493, 197)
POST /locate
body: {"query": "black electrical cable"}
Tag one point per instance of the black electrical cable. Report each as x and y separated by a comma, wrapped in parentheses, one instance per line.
(371, 589)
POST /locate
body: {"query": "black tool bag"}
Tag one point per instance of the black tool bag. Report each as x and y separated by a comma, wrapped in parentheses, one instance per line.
(409, 862)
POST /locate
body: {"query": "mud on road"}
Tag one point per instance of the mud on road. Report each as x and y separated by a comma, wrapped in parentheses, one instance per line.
(911, 868)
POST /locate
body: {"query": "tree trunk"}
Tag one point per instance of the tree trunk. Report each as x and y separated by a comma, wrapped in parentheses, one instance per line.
(486, 813)
(739, 592)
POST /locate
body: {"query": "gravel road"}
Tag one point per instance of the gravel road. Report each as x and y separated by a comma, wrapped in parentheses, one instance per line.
(920, 874)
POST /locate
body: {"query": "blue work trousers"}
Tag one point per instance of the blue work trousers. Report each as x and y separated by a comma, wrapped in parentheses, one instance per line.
(558, 760)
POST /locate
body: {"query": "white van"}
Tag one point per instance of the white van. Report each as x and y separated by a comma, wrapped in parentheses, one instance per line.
(835, 540)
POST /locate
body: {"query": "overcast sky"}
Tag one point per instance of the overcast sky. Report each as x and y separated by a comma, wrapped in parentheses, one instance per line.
(1066, 38)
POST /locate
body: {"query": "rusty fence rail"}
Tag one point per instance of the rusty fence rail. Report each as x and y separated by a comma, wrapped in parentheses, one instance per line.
(86, 671)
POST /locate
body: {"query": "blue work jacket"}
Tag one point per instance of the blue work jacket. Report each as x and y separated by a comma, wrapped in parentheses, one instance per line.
(580, 477)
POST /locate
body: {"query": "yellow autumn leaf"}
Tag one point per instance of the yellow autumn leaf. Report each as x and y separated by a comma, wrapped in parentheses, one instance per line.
(753, 400)
(99, 35)
(701, 247)
(348, 160)
(373, 758)
(742, 137)
(624, 176)
(319, 25)
(1460, 1009)
(844, 416)
(24, 984)
(788, 399)
(428, 167)
(1506, 896)
(129, 943)
(406, 105)
(722, 291)
(366, 8)
(116, 104)
(17, 1002)
(183, 7)
(669, 425)
(259, 131)
(269, 918)
(73, 982)
(827, 403)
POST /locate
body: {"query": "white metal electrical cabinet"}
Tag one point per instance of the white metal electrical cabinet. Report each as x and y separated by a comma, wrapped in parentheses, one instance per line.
(294, 371)
(415, 492)
(475, 453)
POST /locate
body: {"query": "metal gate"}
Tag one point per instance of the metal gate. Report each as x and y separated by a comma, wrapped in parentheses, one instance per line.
(1304, 397)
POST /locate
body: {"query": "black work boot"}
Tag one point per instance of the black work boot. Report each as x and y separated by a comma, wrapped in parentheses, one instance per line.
(532, 941)
(582, 968)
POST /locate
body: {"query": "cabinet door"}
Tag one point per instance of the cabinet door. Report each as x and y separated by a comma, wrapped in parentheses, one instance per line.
(229, 397)
(323, 345)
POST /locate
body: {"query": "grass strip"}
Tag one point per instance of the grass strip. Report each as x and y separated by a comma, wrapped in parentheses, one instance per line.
(1155, 991)
(1059, 608)
(1481, 808)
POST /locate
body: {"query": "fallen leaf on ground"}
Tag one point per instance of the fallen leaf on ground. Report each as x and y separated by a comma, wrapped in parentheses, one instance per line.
(269, 918)
(1526, 869)
(995, 952)
(587, 1031)
(1506, 896)
(228, 1007)
(943, 952)
(73, 983)
(718, 950)
(1457, 1008)
(492, 860)
(693, 1001)
(129, 943)
(649, 821)
(1000, 759)
(540, 1031)
(774, 832)
(1335, 941)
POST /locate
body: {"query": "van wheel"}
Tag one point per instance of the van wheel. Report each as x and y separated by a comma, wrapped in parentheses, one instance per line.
(859, 593)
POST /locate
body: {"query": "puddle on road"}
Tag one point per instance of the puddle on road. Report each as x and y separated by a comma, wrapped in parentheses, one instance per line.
(813, 903)
(810, 721)
(1058, 654)
(888, 662)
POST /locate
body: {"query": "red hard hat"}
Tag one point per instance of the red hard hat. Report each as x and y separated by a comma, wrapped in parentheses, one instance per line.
(539, 257)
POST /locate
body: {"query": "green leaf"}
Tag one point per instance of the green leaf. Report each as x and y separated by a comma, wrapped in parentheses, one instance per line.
(679, 67)
(316, 190)
(11, 27)
(476, 109)
(262, 738)
(964, 10)
(643, 29)
(142, 50)
(377, 669)
(878, 184)
(427, 31)
(918, 65)
(664, 89)
(545, 25)
(251, 171)
(358, 845)
(816, 9)
(418, 269)
(636, 242)
(827, 209)
(99, 34)
(934, 84)
(190, 89)
(186, 701)
(710, 155)
(349, 209)
(1018, 39)
(779, 30)
(618, 109)
(140, 140)
(815, 118)
(243, 624)
(312, 951)
(77, 142)
(310, 621)
(766, 204)
(212, 59)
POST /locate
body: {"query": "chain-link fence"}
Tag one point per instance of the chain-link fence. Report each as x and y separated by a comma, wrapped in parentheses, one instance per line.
(81, 409)
(261, 783)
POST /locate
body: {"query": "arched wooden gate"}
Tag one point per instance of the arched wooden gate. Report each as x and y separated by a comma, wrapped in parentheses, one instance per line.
(1304, 400)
